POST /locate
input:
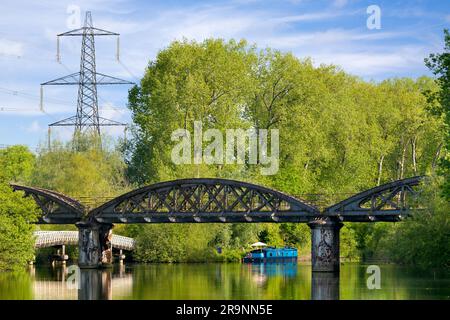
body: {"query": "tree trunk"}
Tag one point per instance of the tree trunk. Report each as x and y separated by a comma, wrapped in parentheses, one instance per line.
(414, 158)
(436, 156)
(402, 163)
(380, 169)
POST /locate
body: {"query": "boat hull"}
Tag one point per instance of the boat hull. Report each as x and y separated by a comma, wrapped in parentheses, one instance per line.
(269, 260)
(271, 254)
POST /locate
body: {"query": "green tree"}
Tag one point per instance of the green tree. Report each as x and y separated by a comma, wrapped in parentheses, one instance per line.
(439, 101)
(423, 239)
(16, 212)
(16, 163)
(295, 234)
(91, 175)
(163, 243)
(16, 239)
(189, 81)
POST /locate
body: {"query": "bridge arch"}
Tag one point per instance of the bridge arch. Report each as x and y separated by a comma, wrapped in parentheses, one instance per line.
(204, 200)
(387, 202)
(57, 208)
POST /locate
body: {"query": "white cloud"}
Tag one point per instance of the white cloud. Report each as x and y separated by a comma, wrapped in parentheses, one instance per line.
(328, 38)
(11, 48)
(35, 127)
(339, 3)
(373, 64)
(306, 17)
(112, 112)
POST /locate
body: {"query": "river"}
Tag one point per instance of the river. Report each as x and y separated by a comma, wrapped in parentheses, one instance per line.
(223, 281)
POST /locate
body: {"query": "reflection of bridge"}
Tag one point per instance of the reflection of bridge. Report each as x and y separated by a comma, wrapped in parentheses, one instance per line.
(94, 285)
(222, 201)
(59, 290)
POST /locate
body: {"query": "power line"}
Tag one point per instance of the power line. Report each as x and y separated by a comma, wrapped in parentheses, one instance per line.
(54, 100)
(7, 109)
(33, 96)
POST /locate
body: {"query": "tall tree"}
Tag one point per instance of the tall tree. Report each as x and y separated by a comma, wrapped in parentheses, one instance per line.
(439, 64)
(16, 212)
(91, 174)
(16, 163)
(188, 82)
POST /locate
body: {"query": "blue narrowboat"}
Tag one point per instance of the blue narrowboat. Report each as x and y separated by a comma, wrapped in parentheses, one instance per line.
(271, 254)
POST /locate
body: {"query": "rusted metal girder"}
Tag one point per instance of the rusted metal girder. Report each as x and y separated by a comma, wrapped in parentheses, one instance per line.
(389, 202)
(204, 200)
(56, 208)
(221, 200)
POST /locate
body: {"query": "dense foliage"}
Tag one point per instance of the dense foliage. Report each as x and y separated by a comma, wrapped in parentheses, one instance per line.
(16, 213)
(440, 101)
(90, 174)
(338, 134)
(424, 239)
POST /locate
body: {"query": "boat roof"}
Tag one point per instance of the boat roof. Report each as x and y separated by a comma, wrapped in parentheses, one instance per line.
(274, 248)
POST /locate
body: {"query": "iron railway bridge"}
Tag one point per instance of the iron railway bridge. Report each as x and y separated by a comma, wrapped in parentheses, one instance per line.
(213, 200)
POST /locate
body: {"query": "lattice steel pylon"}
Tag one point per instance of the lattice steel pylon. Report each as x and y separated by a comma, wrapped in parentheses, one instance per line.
(87, 117)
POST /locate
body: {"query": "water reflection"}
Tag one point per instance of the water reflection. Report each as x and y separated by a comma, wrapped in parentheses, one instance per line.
(52, 284)
(223, 281)
(262, 271)
(54, 288)
(325, 286)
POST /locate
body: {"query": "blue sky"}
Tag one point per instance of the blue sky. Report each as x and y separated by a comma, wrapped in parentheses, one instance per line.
(331, 32)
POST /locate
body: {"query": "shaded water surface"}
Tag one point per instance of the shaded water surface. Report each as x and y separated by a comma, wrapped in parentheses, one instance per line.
(223, 281)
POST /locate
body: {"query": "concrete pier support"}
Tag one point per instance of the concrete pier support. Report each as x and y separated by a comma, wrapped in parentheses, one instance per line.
(60, 257)
(64, 256)
(121, 257)
(95, 249)
(325, 245)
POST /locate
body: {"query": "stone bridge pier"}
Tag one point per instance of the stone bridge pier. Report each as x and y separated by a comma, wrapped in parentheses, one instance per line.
(325, 245)
(95, 248)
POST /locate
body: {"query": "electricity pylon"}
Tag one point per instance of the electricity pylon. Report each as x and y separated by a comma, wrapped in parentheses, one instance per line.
(87, 117)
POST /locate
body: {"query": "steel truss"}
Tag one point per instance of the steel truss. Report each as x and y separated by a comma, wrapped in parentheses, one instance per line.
(221, 200)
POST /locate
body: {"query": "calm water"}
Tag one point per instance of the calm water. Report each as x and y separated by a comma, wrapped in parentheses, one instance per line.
(224, 281)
